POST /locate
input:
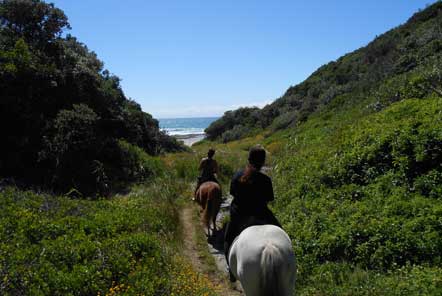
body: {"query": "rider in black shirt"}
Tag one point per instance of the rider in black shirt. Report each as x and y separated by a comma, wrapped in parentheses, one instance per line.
(251, 191)
(251, 196)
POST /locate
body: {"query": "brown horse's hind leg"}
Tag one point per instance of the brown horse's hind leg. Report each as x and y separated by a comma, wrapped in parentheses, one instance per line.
(214, 222)
(208, 222)
(216, 207)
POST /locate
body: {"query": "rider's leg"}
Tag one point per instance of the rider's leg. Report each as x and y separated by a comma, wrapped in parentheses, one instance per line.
(270, 218)
(227, 244)
(198, 184)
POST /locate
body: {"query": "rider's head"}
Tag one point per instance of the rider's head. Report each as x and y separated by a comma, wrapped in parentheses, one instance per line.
(257, 156)
(211, 153)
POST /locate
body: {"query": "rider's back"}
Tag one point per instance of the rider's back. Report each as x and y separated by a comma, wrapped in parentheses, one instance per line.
(251, 196)
(208, 167)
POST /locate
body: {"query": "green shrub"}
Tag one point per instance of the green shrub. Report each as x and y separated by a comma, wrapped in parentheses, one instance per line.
(72, 147)
(360, 194)
(136, 164)
(237, 132)
(284, 121)
(53, 245)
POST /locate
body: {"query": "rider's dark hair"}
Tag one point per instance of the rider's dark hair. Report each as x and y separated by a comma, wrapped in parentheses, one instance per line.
(257, 157)
(211, 153)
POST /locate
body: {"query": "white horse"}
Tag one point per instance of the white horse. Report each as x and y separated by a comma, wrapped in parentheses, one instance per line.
(262, 259)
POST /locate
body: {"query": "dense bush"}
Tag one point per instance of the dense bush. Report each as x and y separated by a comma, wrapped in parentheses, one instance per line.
(360, 193)
(240, 120)
(61, 114)
(136, 164)
(411, 146)
(73, 148)
(236, 133)
(56, 245)
(284, 121)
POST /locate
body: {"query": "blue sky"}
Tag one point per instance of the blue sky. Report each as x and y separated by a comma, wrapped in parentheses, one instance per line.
(201, 58)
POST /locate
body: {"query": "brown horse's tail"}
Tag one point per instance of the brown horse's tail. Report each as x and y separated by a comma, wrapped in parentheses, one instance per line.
(212, 203)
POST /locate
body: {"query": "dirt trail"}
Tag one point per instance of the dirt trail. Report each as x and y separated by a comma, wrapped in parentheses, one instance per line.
(192, 253)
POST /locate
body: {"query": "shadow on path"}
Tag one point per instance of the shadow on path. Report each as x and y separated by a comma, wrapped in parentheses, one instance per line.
(215, 242)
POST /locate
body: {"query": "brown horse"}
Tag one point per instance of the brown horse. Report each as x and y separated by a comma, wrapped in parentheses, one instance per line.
(209, 197)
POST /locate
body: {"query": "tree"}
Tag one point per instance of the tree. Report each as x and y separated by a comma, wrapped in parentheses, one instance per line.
(61, 115)
(35, 21)
(72, 147)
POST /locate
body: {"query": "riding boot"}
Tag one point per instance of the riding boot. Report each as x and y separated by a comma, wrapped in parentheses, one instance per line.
(199, 181)
(198, 184)
(226, 251)
(232, 278)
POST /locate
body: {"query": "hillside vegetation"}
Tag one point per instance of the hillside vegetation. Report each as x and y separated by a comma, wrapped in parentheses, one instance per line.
(402, 63)
(362, 200)
(126, 245)
(356, 153)
(64, 121)
(360, 195)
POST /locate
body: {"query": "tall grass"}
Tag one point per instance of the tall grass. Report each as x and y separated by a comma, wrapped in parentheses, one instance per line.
(129, 244)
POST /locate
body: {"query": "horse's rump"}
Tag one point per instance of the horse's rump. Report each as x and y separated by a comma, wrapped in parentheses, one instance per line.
(209, 196)
(262, 259)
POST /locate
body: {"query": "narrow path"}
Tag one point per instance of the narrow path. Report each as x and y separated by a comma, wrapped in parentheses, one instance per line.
(190, 246)
(192, 252)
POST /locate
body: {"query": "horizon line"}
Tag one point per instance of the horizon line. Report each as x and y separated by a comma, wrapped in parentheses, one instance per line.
(188, 117)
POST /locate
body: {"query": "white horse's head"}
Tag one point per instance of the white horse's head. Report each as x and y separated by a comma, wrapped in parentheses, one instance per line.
(262, 259)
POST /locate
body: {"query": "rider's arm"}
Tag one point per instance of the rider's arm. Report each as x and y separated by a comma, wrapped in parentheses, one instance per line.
(233, 185)
(201, 166)
(215, 167)
(269, 190)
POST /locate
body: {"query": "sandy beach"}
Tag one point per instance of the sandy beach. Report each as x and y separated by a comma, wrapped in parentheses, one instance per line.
(191, 139)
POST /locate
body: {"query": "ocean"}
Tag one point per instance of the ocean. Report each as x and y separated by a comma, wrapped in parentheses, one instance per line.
(185, 126)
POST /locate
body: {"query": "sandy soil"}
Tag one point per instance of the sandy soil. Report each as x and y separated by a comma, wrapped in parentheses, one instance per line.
(189, 140)
(191, 252)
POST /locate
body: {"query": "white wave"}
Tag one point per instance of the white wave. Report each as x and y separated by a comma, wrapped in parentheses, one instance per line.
(183, 131)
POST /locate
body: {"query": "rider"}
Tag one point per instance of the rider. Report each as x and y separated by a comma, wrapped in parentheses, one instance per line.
(208, 169)
(251, 190)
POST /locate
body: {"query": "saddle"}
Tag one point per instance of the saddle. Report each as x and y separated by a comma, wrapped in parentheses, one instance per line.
(252, 221)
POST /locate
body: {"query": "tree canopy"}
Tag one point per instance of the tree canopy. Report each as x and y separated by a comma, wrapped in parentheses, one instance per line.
(61, 114)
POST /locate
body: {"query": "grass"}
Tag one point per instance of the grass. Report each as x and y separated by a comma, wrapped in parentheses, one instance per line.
(207, 260)
(347, 188)
(123, 245)
(358, 192)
